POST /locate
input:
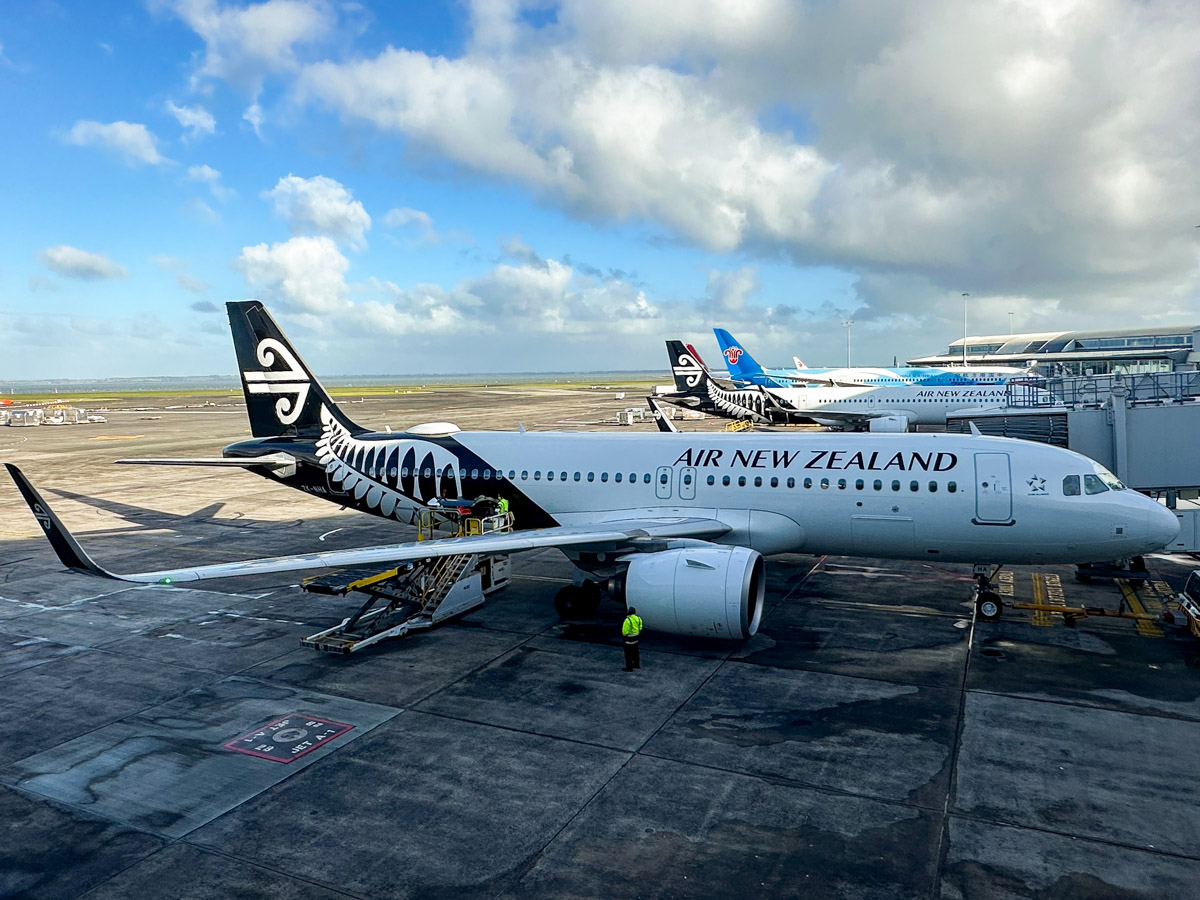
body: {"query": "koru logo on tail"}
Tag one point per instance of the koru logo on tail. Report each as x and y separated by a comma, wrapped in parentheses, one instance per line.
(290, 381)
(687, 368)
(733, 354)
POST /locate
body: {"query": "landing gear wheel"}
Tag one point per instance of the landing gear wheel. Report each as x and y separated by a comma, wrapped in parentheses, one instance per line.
(988, 606)
(575, 602)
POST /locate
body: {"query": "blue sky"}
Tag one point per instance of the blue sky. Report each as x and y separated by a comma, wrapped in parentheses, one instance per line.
(547, 186)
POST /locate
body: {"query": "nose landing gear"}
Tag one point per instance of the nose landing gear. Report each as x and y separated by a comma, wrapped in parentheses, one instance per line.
(989, 606)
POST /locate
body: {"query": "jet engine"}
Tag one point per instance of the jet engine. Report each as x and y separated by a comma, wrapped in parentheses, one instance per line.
(889, 425)
(705, 591)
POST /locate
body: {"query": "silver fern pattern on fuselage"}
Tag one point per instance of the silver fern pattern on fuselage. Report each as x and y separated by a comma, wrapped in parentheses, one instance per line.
(388, 475)
(742, 404)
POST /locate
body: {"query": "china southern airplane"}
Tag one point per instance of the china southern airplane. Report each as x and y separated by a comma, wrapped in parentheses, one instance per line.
(878, 408)
(675, 524)
(743, 370)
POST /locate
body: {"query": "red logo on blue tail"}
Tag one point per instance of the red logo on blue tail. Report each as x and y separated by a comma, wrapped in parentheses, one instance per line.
(733, 354)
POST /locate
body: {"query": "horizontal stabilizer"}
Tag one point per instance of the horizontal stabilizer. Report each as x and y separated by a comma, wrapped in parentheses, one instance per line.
(269, 461)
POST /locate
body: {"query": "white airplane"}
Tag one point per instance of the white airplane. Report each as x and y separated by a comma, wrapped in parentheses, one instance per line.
(675, 524)
(744, 369)
(887, 407)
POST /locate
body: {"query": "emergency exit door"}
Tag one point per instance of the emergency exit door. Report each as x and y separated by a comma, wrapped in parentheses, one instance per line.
(993, 489)
(687, 483)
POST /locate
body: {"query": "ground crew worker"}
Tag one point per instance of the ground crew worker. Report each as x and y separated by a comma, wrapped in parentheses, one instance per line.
(502, 506)
(631, 628)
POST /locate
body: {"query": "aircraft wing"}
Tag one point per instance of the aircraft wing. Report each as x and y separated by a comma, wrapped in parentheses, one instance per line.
(603, 535)
(817, 379)
(839, 417)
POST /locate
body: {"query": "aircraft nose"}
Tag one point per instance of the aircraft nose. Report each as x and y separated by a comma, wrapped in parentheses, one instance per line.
(1162, 526)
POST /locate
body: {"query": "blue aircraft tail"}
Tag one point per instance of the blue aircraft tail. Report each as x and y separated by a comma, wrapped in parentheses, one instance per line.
(742, 367)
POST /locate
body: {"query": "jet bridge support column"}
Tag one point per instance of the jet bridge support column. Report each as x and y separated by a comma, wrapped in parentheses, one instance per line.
(1119, 402)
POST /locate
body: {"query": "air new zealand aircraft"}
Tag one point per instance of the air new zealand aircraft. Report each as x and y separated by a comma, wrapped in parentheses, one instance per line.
(676, 524)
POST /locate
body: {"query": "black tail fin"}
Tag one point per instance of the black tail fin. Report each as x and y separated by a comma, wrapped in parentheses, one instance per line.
(690, 374)
(69, 552)
(282, 396)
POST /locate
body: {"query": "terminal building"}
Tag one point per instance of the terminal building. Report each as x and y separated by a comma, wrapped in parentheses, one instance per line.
(1130, 351)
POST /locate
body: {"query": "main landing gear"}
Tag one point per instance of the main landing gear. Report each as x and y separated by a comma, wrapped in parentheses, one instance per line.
(578, 601)
(988, 604)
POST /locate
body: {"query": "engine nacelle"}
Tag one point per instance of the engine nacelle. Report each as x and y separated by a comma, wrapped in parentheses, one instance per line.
(889, 425)
(704, 591)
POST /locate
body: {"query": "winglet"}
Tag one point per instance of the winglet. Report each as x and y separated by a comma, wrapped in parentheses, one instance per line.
(974, 429)
(67, 548)
(661, 419)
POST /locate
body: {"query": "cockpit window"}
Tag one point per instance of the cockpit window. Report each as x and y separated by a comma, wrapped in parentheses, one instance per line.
(1071, 486)
(1109, 479)
(1093, 485)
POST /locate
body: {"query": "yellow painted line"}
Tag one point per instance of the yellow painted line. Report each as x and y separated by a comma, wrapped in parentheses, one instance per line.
(1145, 627)
(1004, 584)
(1040, 616)
(117, 437)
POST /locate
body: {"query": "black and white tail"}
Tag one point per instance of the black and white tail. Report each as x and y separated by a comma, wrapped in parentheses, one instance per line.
(283, 399)
(693, 380)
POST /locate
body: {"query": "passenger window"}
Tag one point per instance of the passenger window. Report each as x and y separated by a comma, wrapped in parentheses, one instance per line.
(758, 481)
(725, 481)
(591, 476)
(1071, 486)
(914, 486)
(524, 475)
(687, 478)
(563, 475)
(604, 476)
(712, 479)
(858, 485)
(549, 476)
(808, 482)
(474, 474)
(895, 485)
(632, 477)
(933, 487)
(537, 475)
(662, 479)
(774, 482)
(646, 478)
(512, 473)
(1093, 485)
(577, 476)
(427, 473)
(741, 481)
(791, 482)
(462, 473)
(878, 485)
(404, 472)
(824, 484)
(841, 484)
(617, 478)
(951, 487)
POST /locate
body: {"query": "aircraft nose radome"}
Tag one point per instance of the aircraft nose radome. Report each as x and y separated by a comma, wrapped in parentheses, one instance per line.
(1163, 526)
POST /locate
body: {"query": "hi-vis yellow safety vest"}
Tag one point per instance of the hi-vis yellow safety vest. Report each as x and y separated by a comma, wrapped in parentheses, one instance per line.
(632, 626)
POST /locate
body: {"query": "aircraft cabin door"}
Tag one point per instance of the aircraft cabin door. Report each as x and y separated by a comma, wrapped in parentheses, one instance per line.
(687, 483)
(993, 489)
(662, 483)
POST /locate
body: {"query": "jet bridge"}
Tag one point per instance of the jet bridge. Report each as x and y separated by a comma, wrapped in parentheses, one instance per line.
(416, 595)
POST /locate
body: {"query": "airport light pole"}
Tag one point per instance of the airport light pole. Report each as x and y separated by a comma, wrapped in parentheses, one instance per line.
(847, 325)
(965, 296)
(1010, 315)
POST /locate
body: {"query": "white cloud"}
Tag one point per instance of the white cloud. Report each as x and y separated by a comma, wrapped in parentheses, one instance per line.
(1020, 150)
(202, 212)
(245, 44)
(210, 176)
(320, 205)
(304, 273)
(198, 120)
(254, 115)
(135, 143)
(72, 262)
(418, 221)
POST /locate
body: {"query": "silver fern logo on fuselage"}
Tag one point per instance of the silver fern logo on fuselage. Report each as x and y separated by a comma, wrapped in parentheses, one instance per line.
(387, 475)
(291, 381)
